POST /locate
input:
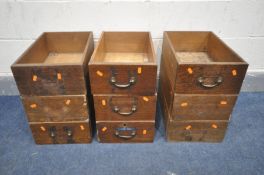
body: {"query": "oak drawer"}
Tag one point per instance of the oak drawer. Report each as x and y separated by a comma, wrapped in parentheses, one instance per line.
(55, 64)
(122, 62)
(202, 131)
(125, 132)
(124, 107)
(202, 107)
(61, 132)
(204, 64)
(55, 108)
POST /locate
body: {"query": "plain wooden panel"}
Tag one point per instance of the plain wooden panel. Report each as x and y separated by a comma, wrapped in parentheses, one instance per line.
(56, 108)
(72, 80)
(201, 131)
(202, 107)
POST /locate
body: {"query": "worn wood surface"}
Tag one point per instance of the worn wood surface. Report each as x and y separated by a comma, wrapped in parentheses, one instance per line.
(194, 131)
(191, 130)
(202, 107)
(105, 104)
(72, 80)
(124, 55)
(55, 108)
(39, 71)
(123, 73)
(80, 132)
(144, 131)
(188, 83)
(221, 61)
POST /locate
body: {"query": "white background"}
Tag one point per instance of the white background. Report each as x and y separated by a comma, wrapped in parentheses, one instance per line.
(240, 23)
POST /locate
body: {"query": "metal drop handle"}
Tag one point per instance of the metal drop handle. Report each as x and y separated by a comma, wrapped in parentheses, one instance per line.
(52, 134)
(69, 133)
(132, 110)
(117, 109)
(119, 131)
(132, 80)
(214, 81)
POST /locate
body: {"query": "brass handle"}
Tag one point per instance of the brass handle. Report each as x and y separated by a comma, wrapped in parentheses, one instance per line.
(210, 82)
(117, 109)
(119, 131)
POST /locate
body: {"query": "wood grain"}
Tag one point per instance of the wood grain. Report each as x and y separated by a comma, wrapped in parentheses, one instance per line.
(202, 107)
(56, 108)
(199, 131)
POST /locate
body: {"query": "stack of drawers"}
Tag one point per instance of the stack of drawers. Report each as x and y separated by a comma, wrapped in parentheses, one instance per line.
(52, 80)
(200, 79)
(123, 74)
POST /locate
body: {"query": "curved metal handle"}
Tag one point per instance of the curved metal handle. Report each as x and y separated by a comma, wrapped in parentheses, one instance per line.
(133, 109)
(213, 81)
(117, 109)
(132, 131)
(132, 80)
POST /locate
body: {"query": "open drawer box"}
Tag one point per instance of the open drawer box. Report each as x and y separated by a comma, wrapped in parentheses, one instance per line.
(123, 62)
(199, 63)
(56, 63)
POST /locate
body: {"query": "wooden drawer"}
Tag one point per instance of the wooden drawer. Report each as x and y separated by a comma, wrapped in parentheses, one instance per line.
(55, 108)
(204, 131)
(124, 107)
(202, 107)
(61, 133)
(122, 62)
(204, 64)
(125, 132)
(55, 64)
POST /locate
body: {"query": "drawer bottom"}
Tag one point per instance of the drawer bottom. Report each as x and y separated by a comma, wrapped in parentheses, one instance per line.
(61, 132)
(125, 132)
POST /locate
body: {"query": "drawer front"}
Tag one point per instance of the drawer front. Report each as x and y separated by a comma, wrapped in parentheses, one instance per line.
(125, 132)
(124, 107)
(55, 108)
(197, 131)
(203, 107)
(61, 133)
(50, 80)
(123, 79)
(210, 79)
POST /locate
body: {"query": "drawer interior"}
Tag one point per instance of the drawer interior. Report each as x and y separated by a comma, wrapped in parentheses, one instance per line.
(200, 47)
(54, 48)
(124, 47)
